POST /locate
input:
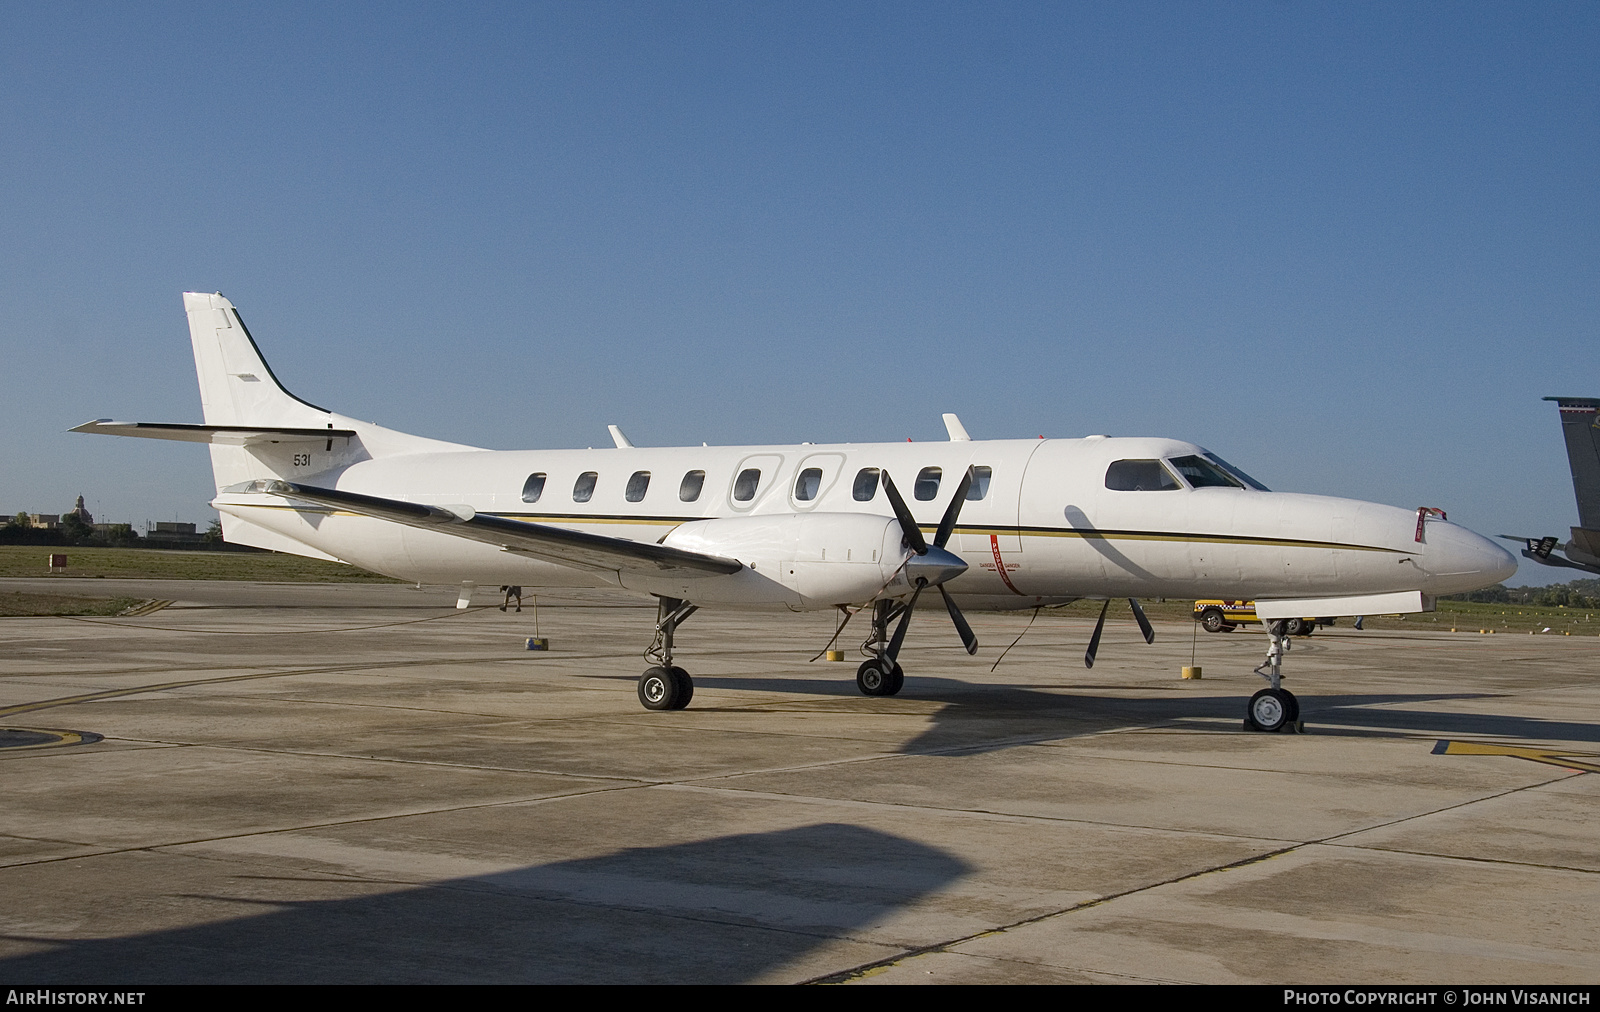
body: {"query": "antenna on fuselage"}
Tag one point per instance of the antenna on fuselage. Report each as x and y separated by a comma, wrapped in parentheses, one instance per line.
(958, 432)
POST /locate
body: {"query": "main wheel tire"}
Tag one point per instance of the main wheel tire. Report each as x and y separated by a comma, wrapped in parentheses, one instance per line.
(1298, 627)
(685, 687)
(660, 689)
(877, 678)
(1272, 710)
(1212, 620)
(897, 681)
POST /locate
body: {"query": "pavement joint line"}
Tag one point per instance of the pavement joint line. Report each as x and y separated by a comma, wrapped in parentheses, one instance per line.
(976, 813)
(850, 974)
(454, 613)
(158, 743)
(1462, 857)
(333, 824)
(842, 976)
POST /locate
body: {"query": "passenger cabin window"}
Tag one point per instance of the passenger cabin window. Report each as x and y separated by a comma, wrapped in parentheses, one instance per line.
(744, 486)
(1140, 476)
(866, 484)
(1236, 472)
(638, 484)
(689, 488)
(583, 488)
(927, 485)
(533, 488)
(1201, 473)
(807, 483)
(980, 483)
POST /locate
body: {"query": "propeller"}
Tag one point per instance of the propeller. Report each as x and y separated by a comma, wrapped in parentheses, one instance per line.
(931, 565)
(1099, 626)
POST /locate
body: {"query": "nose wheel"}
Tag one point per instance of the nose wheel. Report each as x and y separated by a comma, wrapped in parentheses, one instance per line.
(880, 678)
(1273, 708)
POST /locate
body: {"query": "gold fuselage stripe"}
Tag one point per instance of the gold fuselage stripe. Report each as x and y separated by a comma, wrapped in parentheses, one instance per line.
(984, 532)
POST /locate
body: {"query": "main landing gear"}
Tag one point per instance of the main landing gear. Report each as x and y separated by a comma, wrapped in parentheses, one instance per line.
(665, 687)
(1273, 708)
(881, 675)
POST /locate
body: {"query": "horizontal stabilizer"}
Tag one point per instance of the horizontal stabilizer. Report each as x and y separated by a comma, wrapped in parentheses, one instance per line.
(1403, 602)
(223, 435)
(577, 549)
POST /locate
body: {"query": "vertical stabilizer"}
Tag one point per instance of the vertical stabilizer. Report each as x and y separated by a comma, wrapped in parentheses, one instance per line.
(1579, 417)
(236, 385)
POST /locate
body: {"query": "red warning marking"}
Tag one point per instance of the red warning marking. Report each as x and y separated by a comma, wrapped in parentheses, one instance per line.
(1000, 566)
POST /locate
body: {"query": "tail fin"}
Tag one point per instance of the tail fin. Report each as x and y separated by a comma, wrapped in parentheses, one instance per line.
(1580, 425)
(237, 386)
(238, 389)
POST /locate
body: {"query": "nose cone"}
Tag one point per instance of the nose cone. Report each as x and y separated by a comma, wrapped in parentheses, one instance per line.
(936, 567)
(1457, 560)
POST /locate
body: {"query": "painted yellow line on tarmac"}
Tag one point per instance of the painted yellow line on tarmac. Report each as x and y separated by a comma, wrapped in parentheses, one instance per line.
(1533, 753)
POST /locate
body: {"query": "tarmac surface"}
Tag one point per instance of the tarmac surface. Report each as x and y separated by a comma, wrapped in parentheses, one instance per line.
(347, 783)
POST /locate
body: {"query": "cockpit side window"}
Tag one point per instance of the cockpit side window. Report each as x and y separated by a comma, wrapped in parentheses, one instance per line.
(1140, 476)
(1201, 473)
(1236, 472)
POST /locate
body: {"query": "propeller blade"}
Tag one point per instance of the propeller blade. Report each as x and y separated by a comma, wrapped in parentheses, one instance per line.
(905, 622)
(1144, 623)
(908, 525)
(947, 526)
(968, 640)
(1094, 641)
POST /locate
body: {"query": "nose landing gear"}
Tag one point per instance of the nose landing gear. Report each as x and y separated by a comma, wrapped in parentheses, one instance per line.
(881, 674)
(1274, 708)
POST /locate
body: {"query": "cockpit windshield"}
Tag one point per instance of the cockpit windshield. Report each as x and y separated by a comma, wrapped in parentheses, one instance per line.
(1236, 472)
(1202, 473)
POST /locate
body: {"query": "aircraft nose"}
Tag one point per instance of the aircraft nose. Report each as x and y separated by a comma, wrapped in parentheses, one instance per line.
(1457, 560)
(936, 567)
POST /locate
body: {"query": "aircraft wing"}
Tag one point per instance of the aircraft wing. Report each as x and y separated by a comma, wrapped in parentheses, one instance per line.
(577, 549)
(226, 435)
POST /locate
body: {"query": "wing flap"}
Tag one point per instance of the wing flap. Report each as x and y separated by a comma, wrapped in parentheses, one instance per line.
(577, 549)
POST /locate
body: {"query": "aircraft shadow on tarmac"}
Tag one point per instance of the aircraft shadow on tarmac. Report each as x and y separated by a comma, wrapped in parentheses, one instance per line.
(979, 717)
(724, 910)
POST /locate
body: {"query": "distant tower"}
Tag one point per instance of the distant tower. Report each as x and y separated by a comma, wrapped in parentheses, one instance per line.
(82, 513)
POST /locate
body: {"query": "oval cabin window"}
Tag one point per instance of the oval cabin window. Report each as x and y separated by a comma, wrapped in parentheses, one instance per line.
(807, 483)
(689, 488)
(583, 488)
(533, 488)
(638, 485)
(744, 486)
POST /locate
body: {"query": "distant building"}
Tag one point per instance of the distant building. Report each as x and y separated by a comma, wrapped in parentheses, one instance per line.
(173, 533)
(81, 512)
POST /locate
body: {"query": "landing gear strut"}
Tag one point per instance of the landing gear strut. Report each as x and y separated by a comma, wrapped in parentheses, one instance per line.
(1273, 708)
(881, 675)
(665, 687)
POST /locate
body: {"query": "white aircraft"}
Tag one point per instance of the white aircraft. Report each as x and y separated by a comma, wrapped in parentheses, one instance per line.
(1014, 523)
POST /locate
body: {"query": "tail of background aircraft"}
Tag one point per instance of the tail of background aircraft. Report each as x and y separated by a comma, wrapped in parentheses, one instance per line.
(257, 429)
(1580, 426)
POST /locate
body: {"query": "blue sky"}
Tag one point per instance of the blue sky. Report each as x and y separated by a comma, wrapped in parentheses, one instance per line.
(1348, 247)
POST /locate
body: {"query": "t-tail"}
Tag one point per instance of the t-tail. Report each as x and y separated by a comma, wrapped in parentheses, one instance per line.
(257, 429)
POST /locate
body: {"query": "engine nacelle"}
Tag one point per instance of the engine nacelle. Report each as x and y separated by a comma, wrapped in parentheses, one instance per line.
(802, 561)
